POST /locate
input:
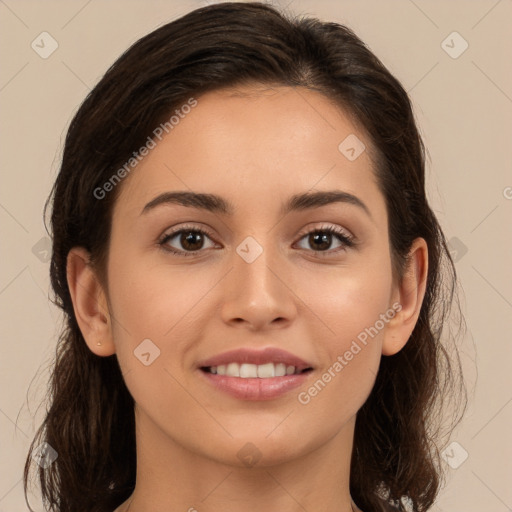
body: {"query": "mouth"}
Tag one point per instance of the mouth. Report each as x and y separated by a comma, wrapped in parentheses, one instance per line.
(248, 374)
(255, 371)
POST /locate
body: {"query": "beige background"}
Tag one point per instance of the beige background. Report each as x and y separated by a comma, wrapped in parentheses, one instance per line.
(463, 106)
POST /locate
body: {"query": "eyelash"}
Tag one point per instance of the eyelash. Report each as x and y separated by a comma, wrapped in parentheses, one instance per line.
(343, 237)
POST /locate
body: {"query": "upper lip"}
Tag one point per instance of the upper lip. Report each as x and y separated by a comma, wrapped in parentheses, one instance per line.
(251, 356)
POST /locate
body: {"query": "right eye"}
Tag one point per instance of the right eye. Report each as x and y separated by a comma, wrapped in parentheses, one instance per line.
(188, 237)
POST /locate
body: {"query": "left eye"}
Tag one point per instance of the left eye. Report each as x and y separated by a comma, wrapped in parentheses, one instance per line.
(192, 240)
(323, 237)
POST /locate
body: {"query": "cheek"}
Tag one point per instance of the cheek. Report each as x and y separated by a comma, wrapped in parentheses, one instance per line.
(149, 298)
(157, 302)
(152, 315)
(354, 307)
(347, 300)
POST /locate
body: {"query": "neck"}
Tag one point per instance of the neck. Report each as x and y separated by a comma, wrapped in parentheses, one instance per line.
(172, 478)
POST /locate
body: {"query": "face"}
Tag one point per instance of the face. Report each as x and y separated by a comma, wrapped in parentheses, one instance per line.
(306, 284)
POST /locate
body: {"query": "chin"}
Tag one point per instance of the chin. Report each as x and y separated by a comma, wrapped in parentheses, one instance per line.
(260, 450)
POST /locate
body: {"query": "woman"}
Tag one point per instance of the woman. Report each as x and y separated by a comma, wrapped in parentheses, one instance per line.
(251, 277)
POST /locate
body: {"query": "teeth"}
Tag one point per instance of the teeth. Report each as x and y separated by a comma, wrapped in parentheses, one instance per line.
(266, 370)
(250, 371)
(233, 370)
(280, 370)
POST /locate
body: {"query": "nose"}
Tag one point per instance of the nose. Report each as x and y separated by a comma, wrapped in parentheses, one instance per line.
(259, 294)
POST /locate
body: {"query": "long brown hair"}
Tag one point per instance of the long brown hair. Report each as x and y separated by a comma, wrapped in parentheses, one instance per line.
(90, 419)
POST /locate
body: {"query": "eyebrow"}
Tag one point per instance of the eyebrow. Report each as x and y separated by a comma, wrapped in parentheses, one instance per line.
(217, 204)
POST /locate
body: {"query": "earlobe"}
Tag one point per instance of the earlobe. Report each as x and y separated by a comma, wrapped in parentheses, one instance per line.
(409, 294)
(89, 303)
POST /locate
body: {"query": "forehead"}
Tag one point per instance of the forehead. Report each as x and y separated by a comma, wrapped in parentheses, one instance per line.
(254, 142)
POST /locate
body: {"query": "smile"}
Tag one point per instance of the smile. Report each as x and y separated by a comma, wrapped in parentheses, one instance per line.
(260, 371)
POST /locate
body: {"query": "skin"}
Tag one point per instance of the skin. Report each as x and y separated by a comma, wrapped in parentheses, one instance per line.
(255, 148)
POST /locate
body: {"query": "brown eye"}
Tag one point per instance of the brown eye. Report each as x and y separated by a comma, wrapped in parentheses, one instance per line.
(189, 240)
(321, 239)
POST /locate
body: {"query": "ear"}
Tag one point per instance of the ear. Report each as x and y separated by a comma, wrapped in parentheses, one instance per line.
(89, 303)
(408, 298)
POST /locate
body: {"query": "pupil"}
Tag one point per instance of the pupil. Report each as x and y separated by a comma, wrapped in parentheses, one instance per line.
(324, 240)
(189, 239)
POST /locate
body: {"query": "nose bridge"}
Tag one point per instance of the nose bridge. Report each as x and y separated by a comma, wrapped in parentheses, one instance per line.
(258, 295)
(256, 267)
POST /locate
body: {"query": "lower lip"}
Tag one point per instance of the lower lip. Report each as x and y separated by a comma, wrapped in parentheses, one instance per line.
(256, 388)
